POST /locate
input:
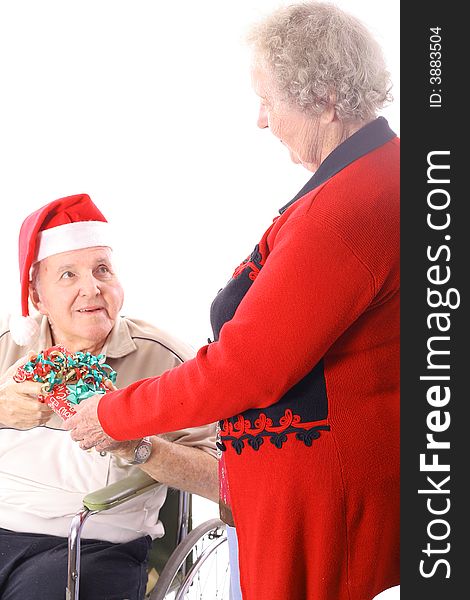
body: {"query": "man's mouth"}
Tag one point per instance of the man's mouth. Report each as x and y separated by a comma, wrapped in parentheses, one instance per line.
(92, 309)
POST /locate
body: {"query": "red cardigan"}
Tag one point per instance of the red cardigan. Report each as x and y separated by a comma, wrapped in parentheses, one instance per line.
(316, 518)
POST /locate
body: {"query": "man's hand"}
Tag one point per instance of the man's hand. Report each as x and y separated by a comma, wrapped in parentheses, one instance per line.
(125, 450)
(86, 429)
(19, 405)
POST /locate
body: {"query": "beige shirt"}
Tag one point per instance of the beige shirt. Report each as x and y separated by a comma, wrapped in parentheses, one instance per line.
(44, 475)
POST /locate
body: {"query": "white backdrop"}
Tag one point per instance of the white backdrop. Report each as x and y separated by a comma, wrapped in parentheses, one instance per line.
(147, 107)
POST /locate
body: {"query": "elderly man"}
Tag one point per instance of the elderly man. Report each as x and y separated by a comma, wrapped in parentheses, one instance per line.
(67, 273)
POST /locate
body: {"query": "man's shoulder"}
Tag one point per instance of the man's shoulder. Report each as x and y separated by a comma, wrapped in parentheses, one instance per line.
(4, 325)
(7, 340)
(144, 333)
(9, 351)
(5, 322)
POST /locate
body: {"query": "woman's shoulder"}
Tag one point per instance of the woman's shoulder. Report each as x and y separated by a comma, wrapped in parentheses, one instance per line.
(362, 197)
(358, 208)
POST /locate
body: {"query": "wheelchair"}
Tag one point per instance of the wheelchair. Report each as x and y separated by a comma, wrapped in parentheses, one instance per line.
(186, 563)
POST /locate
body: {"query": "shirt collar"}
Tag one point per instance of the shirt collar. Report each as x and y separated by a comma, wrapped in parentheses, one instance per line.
(368, 138)
(119, 342)
(45, 336)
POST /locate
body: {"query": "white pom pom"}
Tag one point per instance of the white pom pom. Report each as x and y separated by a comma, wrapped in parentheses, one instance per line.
(23, 330)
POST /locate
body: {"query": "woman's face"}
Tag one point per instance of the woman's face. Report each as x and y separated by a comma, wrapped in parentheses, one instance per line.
(80, 294)
(303, 134)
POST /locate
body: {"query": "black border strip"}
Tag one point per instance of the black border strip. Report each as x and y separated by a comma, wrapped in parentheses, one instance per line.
(433, 568)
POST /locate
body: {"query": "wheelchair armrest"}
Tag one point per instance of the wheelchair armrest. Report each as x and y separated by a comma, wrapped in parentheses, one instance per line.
(119, 492)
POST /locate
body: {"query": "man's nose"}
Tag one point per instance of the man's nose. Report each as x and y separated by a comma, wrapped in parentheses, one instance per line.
(89, 286)
(262, 122)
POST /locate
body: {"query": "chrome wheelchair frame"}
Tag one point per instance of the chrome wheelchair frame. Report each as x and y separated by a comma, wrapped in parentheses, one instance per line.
(192, 551)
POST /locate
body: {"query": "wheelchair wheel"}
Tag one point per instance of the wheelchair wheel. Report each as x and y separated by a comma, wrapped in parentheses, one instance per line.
(198, 568)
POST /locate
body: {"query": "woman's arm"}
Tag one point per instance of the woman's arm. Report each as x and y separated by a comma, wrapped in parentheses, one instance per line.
(310, 290)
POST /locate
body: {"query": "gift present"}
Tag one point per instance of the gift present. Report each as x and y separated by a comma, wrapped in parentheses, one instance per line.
(67, 378)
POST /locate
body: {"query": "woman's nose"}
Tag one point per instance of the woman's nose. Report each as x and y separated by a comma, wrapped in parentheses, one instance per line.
(262, 117)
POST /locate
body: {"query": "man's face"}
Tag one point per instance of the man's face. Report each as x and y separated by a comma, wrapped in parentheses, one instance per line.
(80, 294)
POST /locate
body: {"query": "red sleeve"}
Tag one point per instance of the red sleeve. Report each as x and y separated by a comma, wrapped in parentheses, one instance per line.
(310, 290)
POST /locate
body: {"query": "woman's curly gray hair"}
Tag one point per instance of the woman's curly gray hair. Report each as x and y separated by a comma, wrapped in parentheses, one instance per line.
(316, 55)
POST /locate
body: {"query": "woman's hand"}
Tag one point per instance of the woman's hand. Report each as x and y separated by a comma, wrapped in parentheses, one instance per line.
(19, 404)
(86, 429)
(124, 449)
(110, 385)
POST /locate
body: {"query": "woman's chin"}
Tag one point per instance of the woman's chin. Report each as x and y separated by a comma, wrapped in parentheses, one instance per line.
(295, 158)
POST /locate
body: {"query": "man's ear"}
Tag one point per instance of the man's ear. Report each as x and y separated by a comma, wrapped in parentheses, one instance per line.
(34, 297)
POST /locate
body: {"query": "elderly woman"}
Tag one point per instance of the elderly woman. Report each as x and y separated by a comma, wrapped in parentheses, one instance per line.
(303, 372)
(67, 271)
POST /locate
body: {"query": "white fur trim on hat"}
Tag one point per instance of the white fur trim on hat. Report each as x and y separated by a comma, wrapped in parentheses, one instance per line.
(23, 330)
(72, 236)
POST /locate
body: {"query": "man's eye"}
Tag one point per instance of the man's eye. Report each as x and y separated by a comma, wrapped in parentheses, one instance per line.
(103, 270)
(67, 275)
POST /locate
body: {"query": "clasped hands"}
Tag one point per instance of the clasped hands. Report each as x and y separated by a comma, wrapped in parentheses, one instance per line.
(86, 429)
(20, 409)
(19, 405)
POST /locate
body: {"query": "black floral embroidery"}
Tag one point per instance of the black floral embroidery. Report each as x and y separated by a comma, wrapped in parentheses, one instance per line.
(279, 439)
(242, 429)
(255, 442)
(238, 445)
(308, 436)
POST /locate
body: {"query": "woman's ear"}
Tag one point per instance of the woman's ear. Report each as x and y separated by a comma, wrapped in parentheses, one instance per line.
(329, 112)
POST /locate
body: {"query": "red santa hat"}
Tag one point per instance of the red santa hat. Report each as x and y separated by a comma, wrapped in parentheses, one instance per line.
(66, 224)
